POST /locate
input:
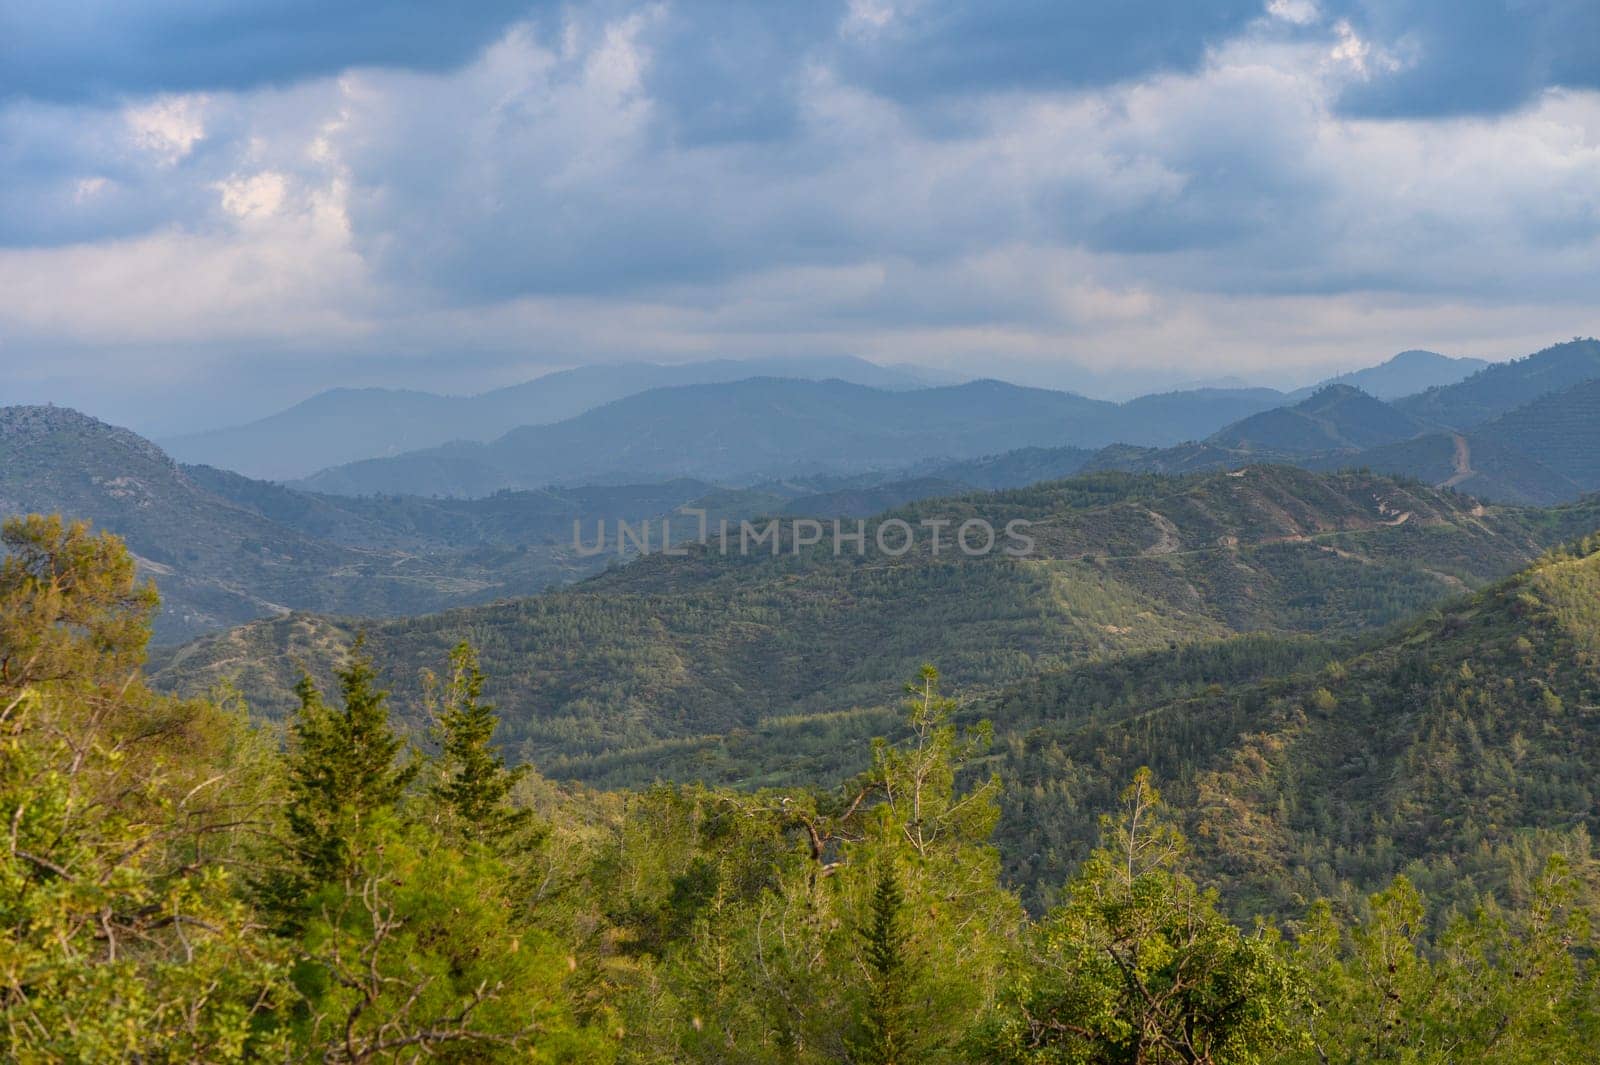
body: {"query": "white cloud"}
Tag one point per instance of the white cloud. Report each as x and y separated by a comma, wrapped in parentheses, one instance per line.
(1359, 55)
(1298, 12)
(168, 127)
(254, 197)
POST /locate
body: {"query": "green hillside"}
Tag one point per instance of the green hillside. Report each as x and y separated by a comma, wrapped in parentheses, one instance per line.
(1481, 463)
(675, 650)
(1505, 386)
(226, 550)
(1337, 418)
(1443, 751)
(1560, 431)
(1546, 451)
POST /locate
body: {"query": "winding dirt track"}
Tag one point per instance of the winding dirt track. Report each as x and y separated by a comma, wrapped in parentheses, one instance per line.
(1463, 463)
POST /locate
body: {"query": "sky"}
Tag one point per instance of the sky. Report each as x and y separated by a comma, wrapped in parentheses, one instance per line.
(211, 209)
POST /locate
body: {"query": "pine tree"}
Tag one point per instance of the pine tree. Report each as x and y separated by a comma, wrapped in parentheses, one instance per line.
(887, 1019)
(342, 766)
(474, 784)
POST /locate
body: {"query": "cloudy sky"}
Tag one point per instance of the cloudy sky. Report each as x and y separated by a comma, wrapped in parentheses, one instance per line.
(208, 210)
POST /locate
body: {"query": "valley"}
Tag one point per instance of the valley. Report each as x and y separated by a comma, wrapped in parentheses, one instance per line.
(1356, 647)
(884, 532)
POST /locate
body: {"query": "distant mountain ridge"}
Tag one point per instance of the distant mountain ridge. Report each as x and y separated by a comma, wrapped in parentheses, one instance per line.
(760, 428)
(348, 424)
(1405, 374)
(1511, 449)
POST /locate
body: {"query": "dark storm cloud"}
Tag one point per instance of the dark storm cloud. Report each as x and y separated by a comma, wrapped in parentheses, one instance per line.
(1471, 56)
(943, 48)
(86, 50)
(727, 69)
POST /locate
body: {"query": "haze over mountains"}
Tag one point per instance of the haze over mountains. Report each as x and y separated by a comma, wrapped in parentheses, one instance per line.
(347, 425)
(221, 561)
(1523, 431)
(1406, 374)
(771, 427)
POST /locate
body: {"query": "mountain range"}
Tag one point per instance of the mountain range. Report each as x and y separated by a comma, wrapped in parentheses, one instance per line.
(1351, 669)
(225, 549)
(254, 548)
(346, 424)
(1526, 431)
(1506, 386)
(771, 427)
(343, 426)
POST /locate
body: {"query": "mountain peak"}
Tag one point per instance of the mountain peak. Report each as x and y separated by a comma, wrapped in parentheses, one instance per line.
(24, 425)
(1337, 417)
(1333, 392)
(1411, 371)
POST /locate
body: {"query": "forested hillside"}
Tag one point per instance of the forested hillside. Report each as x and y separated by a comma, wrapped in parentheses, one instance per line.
(1560, 432)
(682, 650)
(1475, 463)
(1450, 750)
(178, 886)
(1337, 418)
(227, 549)
(1502, 387)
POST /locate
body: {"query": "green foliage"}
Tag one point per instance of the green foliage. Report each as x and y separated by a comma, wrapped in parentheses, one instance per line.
(173, 888)
(413, 952)
(887, 1019)
(472, 780)
(70, 604)
(341, 770)
(1140, 967)
(1494, 985)
(122, 933)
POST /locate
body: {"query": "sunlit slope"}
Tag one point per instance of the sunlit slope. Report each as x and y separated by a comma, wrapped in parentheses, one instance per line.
(1468, 738)
(671, 649)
